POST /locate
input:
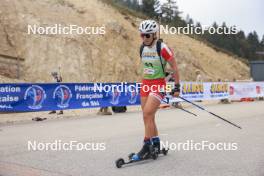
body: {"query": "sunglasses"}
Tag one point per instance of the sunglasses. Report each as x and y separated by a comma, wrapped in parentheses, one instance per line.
(145, 35)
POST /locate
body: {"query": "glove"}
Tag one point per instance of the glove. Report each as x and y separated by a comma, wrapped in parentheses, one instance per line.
(177, 88)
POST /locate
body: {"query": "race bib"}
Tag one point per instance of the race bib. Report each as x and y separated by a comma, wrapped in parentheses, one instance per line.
(149, 71)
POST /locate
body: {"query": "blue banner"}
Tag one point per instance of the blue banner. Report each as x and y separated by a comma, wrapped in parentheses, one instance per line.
(46, 97)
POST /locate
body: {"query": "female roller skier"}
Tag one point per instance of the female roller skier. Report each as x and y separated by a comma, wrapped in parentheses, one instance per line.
(154, 56)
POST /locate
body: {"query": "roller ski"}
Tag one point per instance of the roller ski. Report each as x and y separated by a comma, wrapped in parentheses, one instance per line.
(148, 151)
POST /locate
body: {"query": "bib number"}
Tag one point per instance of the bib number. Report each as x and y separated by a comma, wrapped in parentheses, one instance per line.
(149, 71)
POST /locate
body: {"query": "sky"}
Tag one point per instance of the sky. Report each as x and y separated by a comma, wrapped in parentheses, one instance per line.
(245, 14)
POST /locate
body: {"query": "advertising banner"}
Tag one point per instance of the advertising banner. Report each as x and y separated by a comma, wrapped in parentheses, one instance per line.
(44, 97)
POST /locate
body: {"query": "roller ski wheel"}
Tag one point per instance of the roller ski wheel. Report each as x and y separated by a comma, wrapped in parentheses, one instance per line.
(154, 155)
(120, 162)
(164, 151)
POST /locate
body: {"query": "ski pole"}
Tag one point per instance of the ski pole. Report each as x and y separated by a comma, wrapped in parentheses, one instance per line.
(167, 102)
(202, 108)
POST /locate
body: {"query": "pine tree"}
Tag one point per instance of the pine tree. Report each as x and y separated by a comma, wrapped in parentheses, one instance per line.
(148, 7)
(262, 48)
(189, 20)
(262, 42)
(135, 5)
(241, 35)
(129, 3)
(170, 11)
(253, 38)
(241, 44)
(198, 24)
(253, 41)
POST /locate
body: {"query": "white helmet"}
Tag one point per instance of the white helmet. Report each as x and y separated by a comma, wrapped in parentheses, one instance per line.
(148, 27)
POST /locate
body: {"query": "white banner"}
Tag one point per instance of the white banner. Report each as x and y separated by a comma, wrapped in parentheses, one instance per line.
(194, 91)
(240, 90)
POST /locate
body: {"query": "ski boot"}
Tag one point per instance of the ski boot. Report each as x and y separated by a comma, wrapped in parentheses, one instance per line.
(144, 153)
(156, 144)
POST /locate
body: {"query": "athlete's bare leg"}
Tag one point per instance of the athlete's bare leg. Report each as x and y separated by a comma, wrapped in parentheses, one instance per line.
(150, 106)
(143, 101)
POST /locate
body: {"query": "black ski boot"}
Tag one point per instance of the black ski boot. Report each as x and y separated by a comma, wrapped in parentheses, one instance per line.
(158, 148)
(144, 153)
(156, 144)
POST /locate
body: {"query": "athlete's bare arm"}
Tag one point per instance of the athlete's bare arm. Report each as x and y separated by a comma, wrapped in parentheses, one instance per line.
(175, 70)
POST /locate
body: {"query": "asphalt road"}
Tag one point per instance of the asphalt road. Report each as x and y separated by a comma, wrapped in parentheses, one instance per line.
(121, 134)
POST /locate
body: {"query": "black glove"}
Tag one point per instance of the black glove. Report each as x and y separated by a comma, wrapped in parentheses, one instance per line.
(177, 88)
(167, 74)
